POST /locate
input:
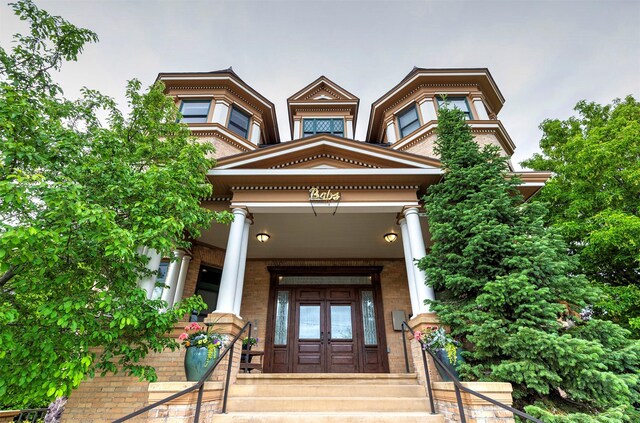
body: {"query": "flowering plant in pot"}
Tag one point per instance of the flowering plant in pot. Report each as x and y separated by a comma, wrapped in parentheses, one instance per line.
(443, 345)
(247, 343)
(203, 348)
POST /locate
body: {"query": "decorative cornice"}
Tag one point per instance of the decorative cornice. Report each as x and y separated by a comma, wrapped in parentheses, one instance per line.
(324, 109)
(327, 156)
(421, 86)
(217, 199)
(323, 87)
(324, 187)
(219, 87)
(218, 134)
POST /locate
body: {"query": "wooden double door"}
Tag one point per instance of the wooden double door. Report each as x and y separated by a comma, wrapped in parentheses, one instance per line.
(329, 328)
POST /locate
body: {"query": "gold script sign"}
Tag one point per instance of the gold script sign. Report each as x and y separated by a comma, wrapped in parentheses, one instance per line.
(316, 195)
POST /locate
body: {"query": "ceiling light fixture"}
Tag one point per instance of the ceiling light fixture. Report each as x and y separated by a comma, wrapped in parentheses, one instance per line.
(390, 237)
(262, 237)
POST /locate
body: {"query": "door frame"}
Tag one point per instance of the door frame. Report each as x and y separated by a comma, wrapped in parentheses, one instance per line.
(276, 271)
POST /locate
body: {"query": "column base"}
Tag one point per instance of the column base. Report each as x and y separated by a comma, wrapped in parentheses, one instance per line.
(423, 319)
(225, 323)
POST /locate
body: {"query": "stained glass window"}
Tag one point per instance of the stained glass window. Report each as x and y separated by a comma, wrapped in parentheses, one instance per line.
(282, 318)
(323, 126)
(369, 319)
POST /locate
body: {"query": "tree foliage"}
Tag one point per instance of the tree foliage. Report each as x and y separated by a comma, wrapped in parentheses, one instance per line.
(594, 198)
(507, 288)
(77, 201)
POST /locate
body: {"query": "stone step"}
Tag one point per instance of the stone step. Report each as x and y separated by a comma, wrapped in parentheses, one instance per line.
(319, 404)
(327, 390)
(330, 417)
(327, 378)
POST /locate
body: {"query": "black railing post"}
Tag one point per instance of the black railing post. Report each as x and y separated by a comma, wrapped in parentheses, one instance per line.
(226, 383)
(196, 418)
(460, 406)
(429, 389)
(404, 345)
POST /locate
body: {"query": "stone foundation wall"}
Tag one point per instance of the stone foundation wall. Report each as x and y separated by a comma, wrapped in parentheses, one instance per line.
(476, 410)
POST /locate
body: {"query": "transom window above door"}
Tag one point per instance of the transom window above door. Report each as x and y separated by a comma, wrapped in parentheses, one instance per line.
(323, 126)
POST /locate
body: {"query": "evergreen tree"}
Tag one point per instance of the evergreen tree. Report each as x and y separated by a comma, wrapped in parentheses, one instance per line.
(507, 288)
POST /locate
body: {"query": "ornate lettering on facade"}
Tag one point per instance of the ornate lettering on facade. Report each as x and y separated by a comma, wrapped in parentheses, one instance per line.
(316, 195)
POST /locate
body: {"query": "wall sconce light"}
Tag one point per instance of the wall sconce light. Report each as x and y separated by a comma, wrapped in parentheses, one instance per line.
(262, 237)
(390, 237)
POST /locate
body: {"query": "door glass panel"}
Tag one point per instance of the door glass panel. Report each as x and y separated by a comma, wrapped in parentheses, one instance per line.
(341, 322)
(309, 322)
(369, 319)
(282, 318)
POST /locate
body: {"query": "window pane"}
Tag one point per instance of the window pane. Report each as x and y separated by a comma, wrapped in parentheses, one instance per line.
(324, 280)
(282, 318)
(309, 322)
(160, 277)
(239, 122)
(338, 125)
(369, 319)
(323, 126)
(456, 103)
(307, 125)
(408, 117)
(192, 107)
(409, 128)
(341, 322)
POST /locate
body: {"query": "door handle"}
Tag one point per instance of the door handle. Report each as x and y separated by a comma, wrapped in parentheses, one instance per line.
(328, 337)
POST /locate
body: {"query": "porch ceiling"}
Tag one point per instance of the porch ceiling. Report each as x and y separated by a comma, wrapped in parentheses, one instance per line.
(305, 236)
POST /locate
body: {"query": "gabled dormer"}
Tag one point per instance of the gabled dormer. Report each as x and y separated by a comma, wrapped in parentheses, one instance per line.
(222, 108)
(322, 107)
(405, 118)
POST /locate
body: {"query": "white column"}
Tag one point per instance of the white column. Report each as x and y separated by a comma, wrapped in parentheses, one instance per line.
(349, 129)
(184, 268)
(296, 129)
(408, 260)
(418, 251)
(480, 109)
(149, 283)
(229, 279)
(221, 112)
(255, 133)
(428, 110)
(169, 291)
(391, 132)
(241, 268)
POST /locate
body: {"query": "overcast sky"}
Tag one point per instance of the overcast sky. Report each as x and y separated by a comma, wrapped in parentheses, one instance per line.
(544, 55)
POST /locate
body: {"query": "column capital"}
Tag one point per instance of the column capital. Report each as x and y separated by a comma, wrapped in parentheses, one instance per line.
(243, 211)
(409, 210)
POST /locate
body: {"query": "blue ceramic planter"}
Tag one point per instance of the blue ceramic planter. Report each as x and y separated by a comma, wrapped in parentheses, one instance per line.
(195, 362)
(442, 355)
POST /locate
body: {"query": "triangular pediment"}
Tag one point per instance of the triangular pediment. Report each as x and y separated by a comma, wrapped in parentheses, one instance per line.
(327, 152)
(323, 89)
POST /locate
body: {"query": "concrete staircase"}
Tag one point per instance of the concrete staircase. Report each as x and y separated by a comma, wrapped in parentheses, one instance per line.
(315, 398)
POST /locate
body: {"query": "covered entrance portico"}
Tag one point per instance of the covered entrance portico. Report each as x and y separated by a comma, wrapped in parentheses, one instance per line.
(323, 287)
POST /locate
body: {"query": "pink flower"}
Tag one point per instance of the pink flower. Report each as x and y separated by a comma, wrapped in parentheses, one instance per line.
(417, 334)
(183, 336)
(195, 326)
(186, 327)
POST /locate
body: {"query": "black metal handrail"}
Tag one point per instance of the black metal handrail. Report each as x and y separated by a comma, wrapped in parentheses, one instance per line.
(200, 384)
(457, 385)
(31, 415)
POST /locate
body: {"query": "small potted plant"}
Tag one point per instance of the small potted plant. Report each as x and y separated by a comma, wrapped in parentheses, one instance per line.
(203, 348)
(247, 343)
(443, 346)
